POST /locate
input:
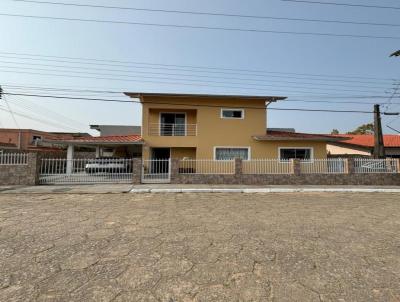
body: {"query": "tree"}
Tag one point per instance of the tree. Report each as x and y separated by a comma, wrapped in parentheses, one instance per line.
(335, 131)
(363, 129)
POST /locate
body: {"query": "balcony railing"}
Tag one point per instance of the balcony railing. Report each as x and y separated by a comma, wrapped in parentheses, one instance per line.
(172, 129)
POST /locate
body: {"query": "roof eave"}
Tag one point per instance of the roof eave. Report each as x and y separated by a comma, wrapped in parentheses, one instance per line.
(81, 143)
(139, 95)
(271, 138)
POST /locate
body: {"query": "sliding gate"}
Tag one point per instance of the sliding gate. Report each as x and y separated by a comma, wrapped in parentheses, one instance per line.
(86, 171)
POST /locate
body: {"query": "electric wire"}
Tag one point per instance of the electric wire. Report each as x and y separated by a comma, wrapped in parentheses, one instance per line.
(201, 13)
(226, 29)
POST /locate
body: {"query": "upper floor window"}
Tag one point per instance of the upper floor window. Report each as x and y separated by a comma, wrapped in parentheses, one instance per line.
(295, 153)
(232, 113)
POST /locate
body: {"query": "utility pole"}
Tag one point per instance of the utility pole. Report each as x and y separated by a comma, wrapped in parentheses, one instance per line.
(379, 148)
(1, 92)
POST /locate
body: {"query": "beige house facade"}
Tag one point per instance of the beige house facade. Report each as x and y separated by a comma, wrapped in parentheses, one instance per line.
(218, 127)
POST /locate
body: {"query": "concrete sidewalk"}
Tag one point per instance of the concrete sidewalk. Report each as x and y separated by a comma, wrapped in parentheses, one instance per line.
(171, 188)
(69, 189)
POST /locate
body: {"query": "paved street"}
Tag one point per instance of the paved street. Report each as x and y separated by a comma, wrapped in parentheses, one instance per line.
(200, 247)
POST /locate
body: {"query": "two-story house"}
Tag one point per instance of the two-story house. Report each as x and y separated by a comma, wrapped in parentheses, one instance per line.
(219, 127)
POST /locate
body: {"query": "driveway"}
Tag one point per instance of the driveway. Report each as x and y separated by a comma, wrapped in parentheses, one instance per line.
(200, 247)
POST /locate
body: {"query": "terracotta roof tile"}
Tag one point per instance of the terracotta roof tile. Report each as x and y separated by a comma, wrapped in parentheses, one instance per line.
(112, 138)
(284, 135)
(134, 138)
(367, 140)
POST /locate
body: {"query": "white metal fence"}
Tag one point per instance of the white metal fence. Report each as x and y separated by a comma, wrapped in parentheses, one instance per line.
(14, 159)
(324, 166)
(369, 165)
(163, 129)
(156, 171)
(104, 170)
(267, 166)
(206, 166)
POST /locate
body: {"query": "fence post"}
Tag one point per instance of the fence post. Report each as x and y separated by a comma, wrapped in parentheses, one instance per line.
(34, 164)
(174, 169)
(238, 166)
(136, 170)
(296, 166)
(350, 166)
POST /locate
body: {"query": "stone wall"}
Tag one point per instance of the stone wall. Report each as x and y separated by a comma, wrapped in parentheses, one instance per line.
(20, 174)
(296, 178)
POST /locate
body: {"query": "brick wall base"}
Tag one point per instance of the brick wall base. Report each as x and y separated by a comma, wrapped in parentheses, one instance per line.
(310, 179)
(20, 174)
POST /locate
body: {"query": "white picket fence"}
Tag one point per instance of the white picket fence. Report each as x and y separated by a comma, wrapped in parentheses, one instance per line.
(267, 166)
(324, 166)
(369, 165)
(13, 159)
(206, 166)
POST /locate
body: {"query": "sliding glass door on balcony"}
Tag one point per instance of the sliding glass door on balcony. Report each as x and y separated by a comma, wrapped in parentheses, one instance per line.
(172, 124)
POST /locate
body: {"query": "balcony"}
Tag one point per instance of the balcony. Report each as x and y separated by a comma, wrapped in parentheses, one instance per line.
(164, 129)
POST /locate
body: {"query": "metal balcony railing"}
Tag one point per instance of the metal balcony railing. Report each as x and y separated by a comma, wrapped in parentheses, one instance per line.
(172, 129)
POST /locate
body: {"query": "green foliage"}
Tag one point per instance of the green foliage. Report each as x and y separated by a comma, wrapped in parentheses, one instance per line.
(335, 131)
(363, 129)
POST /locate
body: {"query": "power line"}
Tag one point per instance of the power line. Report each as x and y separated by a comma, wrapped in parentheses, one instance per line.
(246, 85)
(113, 91)
(11, 111)
(188, 75)
(187, 105)
(343, 4)
(51, 115)
(206, 79)
(208, 13)
(272, 75)
(287, 100)
(230, 29)
(34, 119)
(99, 62)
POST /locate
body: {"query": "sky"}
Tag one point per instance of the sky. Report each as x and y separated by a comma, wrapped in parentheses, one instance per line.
(318, 69)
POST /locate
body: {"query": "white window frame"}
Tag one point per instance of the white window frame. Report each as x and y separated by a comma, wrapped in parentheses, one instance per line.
(231, 109)
(230, 147)
(159, 122)
(285, 148)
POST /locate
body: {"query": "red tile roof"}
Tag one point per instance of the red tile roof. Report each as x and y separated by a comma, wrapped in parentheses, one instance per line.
(367, 140)
(272, 135)
(123, 139)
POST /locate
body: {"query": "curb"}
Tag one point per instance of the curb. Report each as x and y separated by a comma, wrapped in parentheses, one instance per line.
(268, 190)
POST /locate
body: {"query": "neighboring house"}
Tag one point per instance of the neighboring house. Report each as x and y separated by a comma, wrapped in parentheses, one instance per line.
(32, 140)
(363, 144)
(220, 127)
(107, 130)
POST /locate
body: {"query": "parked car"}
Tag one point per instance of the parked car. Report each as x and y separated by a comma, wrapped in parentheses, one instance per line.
(108, 165)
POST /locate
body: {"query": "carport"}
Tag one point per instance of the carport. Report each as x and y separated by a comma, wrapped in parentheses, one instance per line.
(112, 164)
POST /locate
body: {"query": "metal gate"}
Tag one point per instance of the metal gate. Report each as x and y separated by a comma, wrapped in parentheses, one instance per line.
(86, 171)
(156, 171)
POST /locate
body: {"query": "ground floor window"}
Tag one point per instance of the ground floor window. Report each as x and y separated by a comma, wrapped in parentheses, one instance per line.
(222, 153)
(295, 153)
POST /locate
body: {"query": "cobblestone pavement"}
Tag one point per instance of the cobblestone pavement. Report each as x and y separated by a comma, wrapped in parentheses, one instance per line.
(200, 247)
